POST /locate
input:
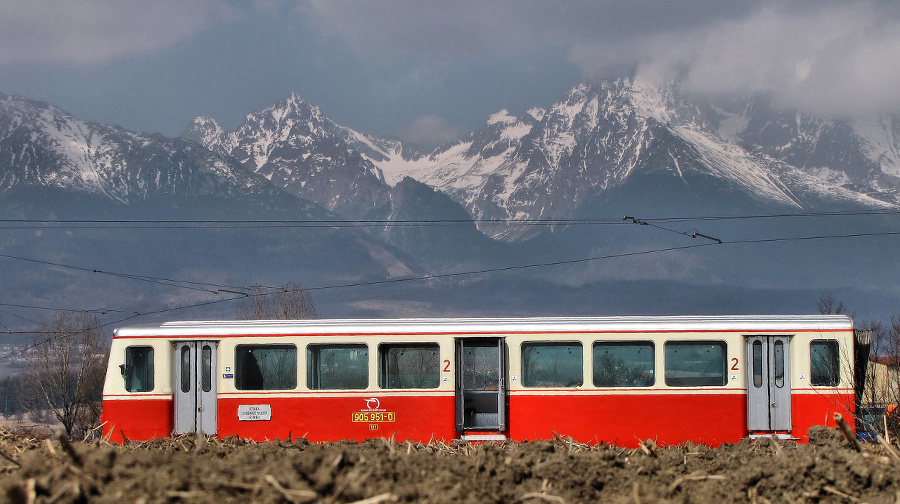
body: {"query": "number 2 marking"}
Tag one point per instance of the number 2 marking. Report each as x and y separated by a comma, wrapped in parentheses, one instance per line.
(734, 366)
(446, 365)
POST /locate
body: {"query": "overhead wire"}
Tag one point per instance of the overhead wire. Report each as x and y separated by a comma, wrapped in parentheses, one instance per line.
(7, 224)
(642, 221)
(288, 223)
(243, 291)
(135, 314)
(184, 284)
(836, 213)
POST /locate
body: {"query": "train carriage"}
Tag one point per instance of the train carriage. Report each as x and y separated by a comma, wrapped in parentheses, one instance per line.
(710, 380)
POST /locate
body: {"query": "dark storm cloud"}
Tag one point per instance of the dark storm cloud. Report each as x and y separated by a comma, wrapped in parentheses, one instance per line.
(434, 67)
(96, 31)
(835, 58)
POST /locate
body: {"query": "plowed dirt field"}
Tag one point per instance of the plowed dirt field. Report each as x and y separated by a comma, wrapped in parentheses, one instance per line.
(192, 469)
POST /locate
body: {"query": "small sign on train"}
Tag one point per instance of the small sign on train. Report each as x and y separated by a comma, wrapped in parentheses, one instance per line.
(254, 412)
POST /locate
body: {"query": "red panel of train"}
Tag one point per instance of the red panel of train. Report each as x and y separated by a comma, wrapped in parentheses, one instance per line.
(618, 380)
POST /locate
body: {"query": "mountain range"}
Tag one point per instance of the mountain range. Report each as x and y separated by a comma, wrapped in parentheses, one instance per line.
(530, 206)
(547, 163)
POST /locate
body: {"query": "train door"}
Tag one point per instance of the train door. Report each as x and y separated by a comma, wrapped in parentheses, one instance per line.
(480, 384)
(768, 387)
(195, 387)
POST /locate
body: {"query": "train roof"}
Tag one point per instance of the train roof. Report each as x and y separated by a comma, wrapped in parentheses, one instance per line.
(474, 326)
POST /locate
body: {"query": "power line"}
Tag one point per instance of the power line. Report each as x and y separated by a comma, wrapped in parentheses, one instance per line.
(298, 223)
(243, 291)
(96, 311)
(544, 264)
(242, 295)
(838, 213)
(693, 233)
(356, 223)
(183, 284)
(136, 314)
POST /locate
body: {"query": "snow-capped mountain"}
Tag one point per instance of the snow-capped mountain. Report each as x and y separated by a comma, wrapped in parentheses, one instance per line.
(297, 148)
(606, 150)
(56, 167)
(549, 162)
(44, 146)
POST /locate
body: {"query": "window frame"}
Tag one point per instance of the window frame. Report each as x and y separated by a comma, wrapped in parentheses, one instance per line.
(127, 369)
(836, 368)
(698, 381)
(622, 343)
(312, 380)
(526, 381)
(239, 370)
(384, 355)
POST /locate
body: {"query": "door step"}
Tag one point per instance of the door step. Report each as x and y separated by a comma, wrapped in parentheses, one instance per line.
(483, 437)
(784, 437)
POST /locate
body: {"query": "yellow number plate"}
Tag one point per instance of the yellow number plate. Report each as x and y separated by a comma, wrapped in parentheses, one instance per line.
(374, 416)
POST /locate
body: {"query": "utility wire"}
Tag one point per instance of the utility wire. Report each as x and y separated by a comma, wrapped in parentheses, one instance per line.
(693, 233)
(844, 213)
(183, 284)
(242, 295)
(300, 223)
(342, 223)
(96, 311)
(467, 273)
(242, 291)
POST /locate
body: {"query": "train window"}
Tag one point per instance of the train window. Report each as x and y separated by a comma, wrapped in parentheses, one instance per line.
(415, 366)
(185, 369)
(623, 364)
(481, 365)
(265, 367)
(552, 365)
(824, 363)
(206, 368)
(138, 369)
(695, 363)
(337, 367)
(779, 363)
(757, 364)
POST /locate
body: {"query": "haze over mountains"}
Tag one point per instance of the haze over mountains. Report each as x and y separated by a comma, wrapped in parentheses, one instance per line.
(538, 198)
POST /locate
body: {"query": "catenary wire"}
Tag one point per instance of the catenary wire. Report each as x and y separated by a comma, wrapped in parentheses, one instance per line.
(467, 273)
(354, 223)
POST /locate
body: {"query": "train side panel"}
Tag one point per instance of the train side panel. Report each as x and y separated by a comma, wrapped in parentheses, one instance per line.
(625, 419)
(665, 406)
(352, 416)
(137, 419)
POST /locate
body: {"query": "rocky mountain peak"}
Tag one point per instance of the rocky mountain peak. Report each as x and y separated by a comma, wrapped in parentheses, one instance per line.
(298, 148)
(205, 131)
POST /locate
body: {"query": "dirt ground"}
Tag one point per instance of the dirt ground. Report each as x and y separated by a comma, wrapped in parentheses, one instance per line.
(192, 469)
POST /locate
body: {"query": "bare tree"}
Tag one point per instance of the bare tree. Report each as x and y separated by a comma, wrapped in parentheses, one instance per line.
(65, 371)
(828, 306)
(287, 302)
(876, 390)
(888, 377)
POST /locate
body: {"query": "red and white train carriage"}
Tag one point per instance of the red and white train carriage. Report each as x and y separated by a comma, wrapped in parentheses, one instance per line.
(713, 379)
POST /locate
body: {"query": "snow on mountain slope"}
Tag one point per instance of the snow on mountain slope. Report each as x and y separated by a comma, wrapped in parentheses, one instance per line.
(392, 158)
(42, 145)
(881, 142)
(546, 163)
(296, 147)
(41, 131)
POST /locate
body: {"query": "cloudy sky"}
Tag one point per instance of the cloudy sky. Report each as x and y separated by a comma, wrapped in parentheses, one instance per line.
(428, 70)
